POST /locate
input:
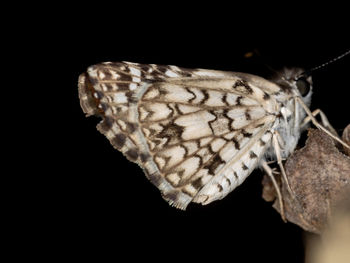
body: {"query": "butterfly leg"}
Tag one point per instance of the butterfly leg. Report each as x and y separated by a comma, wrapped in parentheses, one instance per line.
(324, 120)
(317, 124)
(269, 172)
(276, 146)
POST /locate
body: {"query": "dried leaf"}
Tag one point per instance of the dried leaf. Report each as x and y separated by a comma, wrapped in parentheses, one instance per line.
(317, 174)
(346, 138)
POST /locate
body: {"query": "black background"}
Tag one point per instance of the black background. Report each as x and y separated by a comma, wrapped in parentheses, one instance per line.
(103, 205)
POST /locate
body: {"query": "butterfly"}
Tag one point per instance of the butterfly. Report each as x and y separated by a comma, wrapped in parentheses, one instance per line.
(197, 133)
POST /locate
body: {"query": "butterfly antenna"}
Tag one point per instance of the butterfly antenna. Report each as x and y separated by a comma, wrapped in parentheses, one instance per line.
(310, 71)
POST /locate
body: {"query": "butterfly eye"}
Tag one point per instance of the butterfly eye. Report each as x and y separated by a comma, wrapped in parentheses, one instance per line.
(303, 86)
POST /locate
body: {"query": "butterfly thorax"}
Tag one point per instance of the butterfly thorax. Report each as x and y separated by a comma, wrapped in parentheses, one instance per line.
(288, 123)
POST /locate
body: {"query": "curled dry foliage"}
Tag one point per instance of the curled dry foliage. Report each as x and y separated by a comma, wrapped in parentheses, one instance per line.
(346, 138)
(318, 175)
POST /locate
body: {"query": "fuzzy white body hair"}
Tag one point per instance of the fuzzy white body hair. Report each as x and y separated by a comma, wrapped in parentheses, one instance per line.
(289, 127)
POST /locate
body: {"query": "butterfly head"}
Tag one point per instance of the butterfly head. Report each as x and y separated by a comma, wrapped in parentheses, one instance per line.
(293, 80)
(302, 86)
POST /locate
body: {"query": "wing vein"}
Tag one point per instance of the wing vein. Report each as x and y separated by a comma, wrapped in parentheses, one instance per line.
(204, 106)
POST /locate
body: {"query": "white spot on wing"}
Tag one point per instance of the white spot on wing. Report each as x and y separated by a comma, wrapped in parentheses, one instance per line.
(189, 166)
(159, 111)
(217, 144)
(188, 109)
(176, 93)
(199, 96)
(119, 97)
(170, 73)
(191, 147)
(195, 124)
(190, 189)
(114, 74)
(207, 73)
(176, 155)
(101, 75)
(215, 99)
(135, 71)
(205, 141)
(174, 178)
(132, 86)
(231, 98)
(136, 79)
(257, 112)
(160, 161)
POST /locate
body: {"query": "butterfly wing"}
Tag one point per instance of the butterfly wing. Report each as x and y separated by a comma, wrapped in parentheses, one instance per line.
(197, 134)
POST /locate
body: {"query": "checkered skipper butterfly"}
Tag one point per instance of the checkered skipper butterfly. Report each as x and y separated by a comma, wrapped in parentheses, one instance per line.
(197, 133)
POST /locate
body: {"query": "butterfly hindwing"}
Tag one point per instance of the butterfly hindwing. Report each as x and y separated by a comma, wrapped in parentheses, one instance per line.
(197, 134)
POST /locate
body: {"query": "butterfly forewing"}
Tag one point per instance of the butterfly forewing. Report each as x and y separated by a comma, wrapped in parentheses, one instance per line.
(197, 134)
